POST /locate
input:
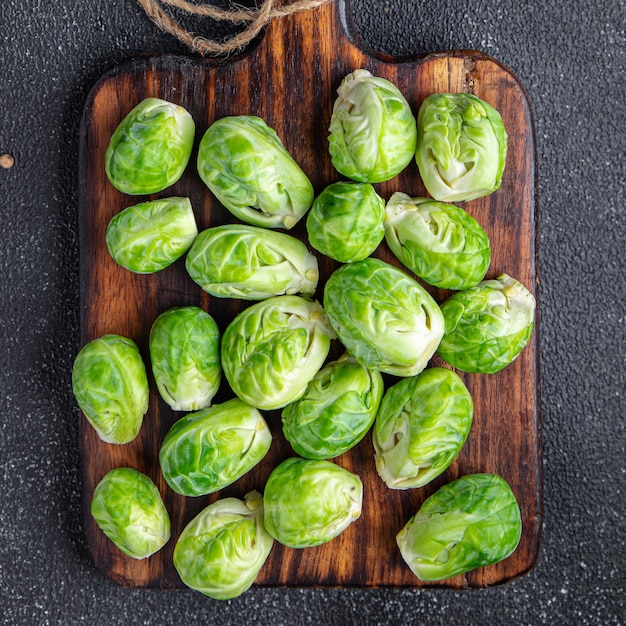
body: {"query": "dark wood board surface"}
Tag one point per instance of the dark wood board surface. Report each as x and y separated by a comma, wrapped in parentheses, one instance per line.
(290, 78)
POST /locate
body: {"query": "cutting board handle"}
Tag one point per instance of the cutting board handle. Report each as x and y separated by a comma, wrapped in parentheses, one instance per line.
(330, 24)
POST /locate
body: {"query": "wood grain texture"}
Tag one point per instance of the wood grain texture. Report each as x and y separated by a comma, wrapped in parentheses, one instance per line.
(290, 78)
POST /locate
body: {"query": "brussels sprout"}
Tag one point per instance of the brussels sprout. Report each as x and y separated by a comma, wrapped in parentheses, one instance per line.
(372, 129)
(384, 318)
(150, 236)
(210, 449)
(221, 551)
(150, 149)
(309, 502)
(486, 327)
(469, 523)
(110, 384)
(421, 426)
(336, 411)
(346, 221)
(439, 242)
(272, 349)
(128, 508)
(185, 356)
(244, 163)
(250, 263)
(461, 147)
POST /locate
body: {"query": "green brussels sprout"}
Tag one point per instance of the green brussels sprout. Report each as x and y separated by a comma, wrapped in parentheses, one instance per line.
(110, 385)
(128, 508)
(221, 551)
(439, 242)
(421, 426)
(244, 163)
(487, 326)
(150, 149)
(309, 502)
(384, 318)
(469, 523)
(346, 221)
(372, 129)
(210, 449)
(461, 147)
(336, 411)
(272, 349)
(150, 236)
(250, 263)
(185, 355)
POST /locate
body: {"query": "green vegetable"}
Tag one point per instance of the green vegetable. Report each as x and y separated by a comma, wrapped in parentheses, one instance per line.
(461, 147)
(384, 318)
(210, 449)
(469, 523)
(221, 551)
(185, 356)
(439, 242)
(420, 428)
(336, 411)
(110, 385)
(372, 129)
(150, 149)
(128, 508)
(346, 221)
(244, 163)
(309, 502)
(250, 263)
(150, 236)
(272, 349)
(487, 327)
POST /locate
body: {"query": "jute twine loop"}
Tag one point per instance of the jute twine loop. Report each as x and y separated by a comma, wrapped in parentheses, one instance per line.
(255, 18)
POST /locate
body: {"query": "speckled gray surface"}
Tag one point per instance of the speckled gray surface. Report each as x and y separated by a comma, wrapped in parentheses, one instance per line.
(572, 58)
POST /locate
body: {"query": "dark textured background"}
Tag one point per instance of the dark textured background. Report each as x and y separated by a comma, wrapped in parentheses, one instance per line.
(571, 57)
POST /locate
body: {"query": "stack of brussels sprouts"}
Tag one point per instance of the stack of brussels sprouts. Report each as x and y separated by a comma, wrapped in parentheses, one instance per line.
(273, 354)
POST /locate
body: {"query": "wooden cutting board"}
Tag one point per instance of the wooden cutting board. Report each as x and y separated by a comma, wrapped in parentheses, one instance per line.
(290, 78)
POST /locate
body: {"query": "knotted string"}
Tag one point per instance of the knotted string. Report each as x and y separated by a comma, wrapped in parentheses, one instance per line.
(255, 18)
